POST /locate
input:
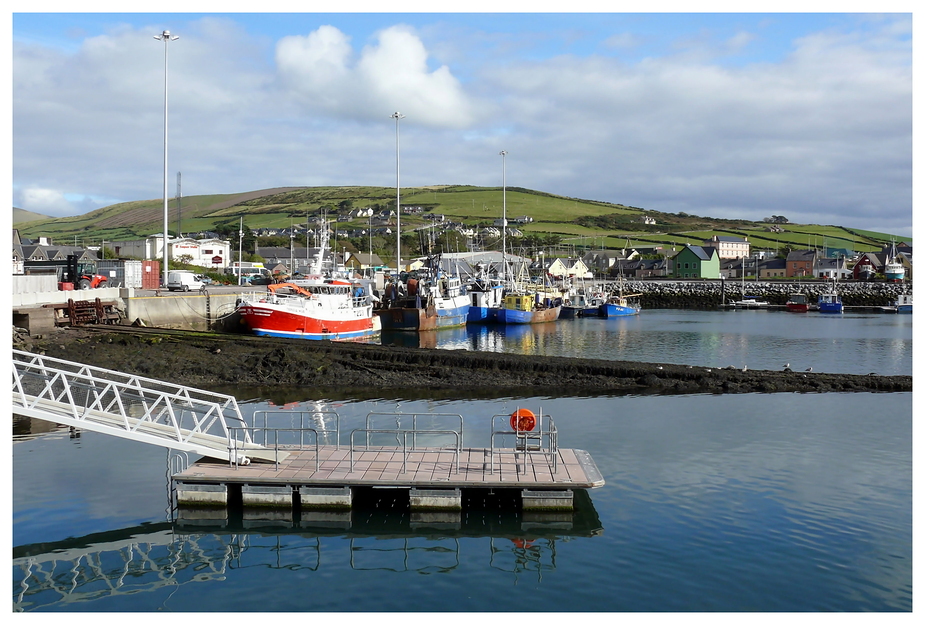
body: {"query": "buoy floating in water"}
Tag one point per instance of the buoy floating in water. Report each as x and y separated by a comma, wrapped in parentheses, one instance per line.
(523, 420)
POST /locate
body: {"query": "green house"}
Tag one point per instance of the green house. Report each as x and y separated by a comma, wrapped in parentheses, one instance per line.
(695, 261)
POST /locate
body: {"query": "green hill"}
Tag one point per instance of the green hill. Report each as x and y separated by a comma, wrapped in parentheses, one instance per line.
(576, 222)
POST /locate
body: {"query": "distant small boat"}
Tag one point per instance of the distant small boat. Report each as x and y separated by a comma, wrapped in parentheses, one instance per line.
(830, 303)
(619, 306)
(749, 302)
(903, 303)
(797, 303)
(893, 270)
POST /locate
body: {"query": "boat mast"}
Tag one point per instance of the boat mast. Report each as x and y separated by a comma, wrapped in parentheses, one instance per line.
(397, 116)
(503, 153)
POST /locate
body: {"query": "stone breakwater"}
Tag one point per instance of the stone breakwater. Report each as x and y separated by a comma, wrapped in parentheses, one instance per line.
(711, 294)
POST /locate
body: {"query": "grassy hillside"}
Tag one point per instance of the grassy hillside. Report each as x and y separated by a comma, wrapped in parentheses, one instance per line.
(582, 223)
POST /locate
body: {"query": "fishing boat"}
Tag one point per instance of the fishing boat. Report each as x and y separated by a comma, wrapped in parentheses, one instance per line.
(485, 297)
(583, 302)
(427, 300)
(528, 307)
(619, 305)
(893, 270)
(830, 302)
(903, 303)
(318, 307)
(797, 302)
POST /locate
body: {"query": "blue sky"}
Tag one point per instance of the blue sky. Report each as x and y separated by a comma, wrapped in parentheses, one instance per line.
(805, 115)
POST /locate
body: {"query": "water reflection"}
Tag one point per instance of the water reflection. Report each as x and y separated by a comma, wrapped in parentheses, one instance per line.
(379, 533)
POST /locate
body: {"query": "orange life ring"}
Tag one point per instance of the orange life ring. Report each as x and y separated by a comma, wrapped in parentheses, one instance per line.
(523, 420)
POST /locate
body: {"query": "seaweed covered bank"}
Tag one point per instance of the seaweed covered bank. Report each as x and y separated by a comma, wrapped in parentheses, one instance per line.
(210, 360)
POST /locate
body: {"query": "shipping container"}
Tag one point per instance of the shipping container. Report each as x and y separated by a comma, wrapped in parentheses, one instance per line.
(150, 274)
(122, 273)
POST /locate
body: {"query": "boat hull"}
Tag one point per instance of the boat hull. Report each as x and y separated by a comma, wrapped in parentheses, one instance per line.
(265, 319)
(616, 310)
(411, 319)
(482, 314)
(797, 308)
(510, 316)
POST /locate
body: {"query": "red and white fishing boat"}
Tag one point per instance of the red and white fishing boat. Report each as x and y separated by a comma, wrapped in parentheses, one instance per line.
(316, 307)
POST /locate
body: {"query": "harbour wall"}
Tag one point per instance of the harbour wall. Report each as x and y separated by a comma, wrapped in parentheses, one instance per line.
(714, 293)
(216, 309)
(188, 311)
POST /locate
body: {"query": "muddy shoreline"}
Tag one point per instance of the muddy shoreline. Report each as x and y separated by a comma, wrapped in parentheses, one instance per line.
(254, 366)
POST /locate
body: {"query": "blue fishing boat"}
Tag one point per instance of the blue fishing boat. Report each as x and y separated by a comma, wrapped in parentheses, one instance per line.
(830, 303)
(619, 306)
(485, 297)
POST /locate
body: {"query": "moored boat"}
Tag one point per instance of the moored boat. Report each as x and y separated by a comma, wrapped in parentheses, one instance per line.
(485, 297)
(424, 303)
(525, 307)
(619, 306)
(797, 302)
(903, 303)
(318, 309)
(830, 303)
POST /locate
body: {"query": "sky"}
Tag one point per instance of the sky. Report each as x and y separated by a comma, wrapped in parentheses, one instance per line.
(731, 115)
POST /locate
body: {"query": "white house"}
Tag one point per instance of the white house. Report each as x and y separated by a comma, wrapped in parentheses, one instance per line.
(212, 254)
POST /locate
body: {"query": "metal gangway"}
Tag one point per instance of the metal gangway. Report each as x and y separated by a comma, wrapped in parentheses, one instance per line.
(129, 406)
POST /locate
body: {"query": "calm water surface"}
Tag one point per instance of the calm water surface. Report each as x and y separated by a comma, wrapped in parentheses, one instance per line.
(856, 343)
(759, 502)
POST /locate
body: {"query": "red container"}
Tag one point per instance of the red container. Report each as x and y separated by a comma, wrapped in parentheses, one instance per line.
(65, 286)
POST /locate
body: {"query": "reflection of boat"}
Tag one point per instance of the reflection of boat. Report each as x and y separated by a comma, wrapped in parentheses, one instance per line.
(797, 302)
(426, 301)
(524, 307)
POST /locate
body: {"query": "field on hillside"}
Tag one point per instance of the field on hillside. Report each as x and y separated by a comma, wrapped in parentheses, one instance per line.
(474, 206)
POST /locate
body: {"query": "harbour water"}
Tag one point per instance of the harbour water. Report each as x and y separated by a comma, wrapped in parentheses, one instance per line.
(759, 502)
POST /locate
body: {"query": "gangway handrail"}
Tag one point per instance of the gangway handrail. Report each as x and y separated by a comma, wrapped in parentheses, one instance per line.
(236, 457)
(126, 405)
(265, 414)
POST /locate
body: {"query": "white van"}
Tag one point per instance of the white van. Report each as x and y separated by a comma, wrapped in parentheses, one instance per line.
(183, 280)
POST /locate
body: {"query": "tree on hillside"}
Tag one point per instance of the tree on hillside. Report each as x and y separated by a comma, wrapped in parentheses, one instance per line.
(776, 219)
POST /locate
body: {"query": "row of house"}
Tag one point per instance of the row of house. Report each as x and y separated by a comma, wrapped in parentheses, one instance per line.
(695, 261)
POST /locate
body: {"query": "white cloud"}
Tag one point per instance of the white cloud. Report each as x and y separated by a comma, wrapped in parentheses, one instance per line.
(392, 74)
(45, 202)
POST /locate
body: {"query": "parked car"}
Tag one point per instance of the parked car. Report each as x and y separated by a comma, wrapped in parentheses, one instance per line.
(260, 280)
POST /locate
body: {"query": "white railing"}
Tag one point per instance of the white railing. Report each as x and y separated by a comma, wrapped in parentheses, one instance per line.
(129, 406)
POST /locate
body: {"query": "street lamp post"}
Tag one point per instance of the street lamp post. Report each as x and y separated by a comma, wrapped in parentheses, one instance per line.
(166, 37)
(503, 153)
(397, 116)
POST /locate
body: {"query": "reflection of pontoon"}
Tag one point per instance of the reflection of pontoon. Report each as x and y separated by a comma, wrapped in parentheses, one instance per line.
(195, 548)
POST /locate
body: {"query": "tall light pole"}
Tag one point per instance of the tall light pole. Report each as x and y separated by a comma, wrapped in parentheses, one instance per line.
(503, 153)
(166, 37)
(397, 116)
